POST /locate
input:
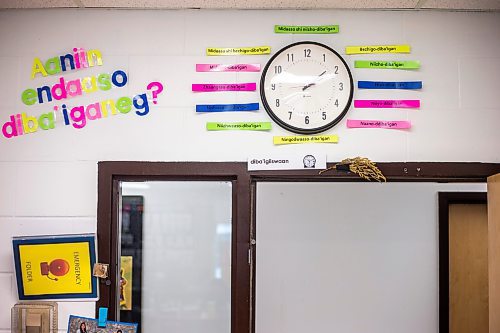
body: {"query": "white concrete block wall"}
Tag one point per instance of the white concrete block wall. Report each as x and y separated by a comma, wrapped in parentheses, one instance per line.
(48, 180)
(44, 198)
(458, 53)
(9, 297)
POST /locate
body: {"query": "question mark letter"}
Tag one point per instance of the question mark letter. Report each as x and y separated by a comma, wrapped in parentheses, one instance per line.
(155, 92)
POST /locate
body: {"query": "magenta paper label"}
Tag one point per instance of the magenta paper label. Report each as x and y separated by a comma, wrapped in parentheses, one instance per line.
(227, 67)
(392, 124)
(387, 103)
(225, 87)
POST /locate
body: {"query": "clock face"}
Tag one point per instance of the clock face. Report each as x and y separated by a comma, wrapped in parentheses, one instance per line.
(306, 87)
(309, 161)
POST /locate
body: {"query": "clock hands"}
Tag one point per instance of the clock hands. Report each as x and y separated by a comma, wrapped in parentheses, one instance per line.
(307, 86)
(304, 95)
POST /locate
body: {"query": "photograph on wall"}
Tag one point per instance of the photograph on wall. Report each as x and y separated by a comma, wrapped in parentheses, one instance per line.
(126, 283)
(55, 267)
(82, 325)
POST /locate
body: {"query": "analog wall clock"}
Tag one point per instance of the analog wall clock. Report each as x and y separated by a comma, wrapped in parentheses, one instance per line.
(306, 87)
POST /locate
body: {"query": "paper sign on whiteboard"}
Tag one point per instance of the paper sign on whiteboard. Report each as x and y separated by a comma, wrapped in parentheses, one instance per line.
(306, 161)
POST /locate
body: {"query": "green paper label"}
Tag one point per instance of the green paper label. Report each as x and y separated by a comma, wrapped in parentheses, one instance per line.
(261, 126)
(411, 64)
(306, 29)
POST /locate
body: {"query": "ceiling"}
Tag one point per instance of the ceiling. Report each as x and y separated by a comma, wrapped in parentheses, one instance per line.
(462, 5)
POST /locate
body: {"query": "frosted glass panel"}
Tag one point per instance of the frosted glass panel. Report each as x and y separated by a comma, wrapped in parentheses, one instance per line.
(186, 254)
(350, 258)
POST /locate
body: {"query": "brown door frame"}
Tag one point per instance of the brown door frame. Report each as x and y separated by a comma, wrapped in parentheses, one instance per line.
(445, 200)
(110, 174)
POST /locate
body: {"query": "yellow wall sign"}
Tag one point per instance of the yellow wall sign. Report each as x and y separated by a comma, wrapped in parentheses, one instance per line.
(366, 49)
(55, 267)
(287, 140)
(226, 51)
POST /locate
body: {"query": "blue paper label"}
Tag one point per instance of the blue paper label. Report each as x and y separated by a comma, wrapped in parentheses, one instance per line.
(389, 85)
(103, 317)
(227, 107)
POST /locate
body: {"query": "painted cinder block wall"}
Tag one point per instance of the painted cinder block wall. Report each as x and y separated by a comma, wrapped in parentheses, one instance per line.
(48, 179)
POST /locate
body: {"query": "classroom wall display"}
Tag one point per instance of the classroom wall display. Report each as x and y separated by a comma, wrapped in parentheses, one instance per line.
(310, 100)
(446, 79)
(55, 267)
(387, 86)
(64, 89)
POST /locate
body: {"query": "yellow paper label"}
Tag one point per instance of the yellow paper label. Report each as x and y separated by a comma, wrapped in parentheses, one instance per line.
(56, 268)
(364, 49)
(287, 140)
(223, 51)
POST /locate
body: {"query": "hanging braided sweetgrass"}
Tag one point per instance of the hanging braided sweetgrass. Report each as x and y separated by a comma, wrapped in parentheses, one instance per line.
(361, 166)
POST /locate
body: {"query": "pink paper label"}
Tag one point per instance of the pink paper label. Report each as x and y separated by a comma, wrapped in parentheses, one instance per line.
(227, 67)
(225, 87)
(387, 103)
(392, 124)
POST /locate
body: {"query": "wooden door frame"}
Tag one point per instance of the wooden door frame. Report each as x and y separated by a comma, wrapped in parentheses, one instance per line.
(111, 173)
(445, 200)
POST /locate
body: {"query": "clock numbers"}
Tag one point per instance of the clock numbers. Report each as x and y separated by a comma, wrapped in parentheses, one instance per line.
(306, 120)
(336, 102)
(336, 69)
(324, 57)
(341, 86)
(289, 115)
(323, 115)
(307, 53)
(277, 103)
(289, 56)
(277, 69)
(273, 86)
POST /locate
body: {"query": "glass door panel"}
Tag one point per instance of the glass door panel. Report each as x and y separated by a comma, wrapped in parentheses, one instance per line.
(175, 274)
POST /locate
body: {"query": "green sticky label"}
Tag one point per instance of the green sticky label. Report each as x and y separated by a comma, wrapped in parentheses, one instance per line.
(306, 29)
(261, 126)
(411, 64)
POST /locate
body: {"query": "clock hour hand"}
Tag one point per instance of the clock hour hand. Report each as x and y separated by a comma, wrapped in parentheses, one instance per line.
(307, 86)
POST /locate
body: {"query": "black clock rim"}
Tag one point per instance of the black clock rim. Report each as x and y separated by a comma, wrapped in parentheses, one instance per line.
(297, 129)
